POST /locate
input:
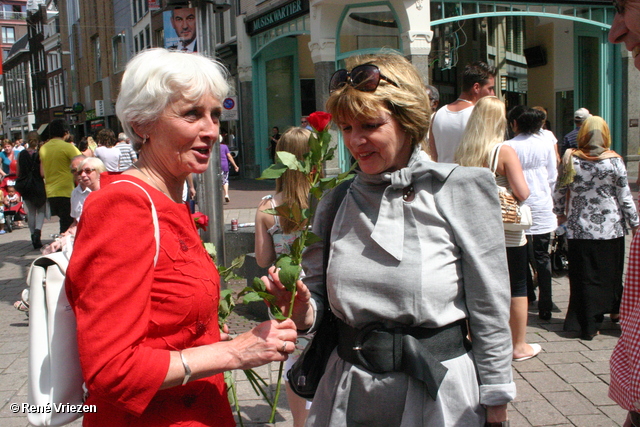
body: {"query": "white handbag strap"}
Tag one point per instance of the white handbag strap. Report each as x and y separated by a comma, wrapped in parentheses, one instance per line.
(494, 157)
(154, 214)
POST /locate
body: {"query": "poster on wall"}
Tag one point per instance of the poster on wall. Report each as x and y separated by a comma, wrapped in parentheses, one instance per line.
(180, 29)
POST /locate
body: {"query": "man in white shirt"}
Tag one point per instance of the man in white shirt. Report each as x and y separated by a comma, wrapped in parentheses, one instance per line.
(449, 122)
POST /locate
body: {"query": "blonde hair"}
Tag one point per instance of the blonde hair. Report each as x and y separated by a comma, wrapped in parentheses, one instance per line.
(485, 129)
(591, 124)
(293, 185)
(408, 103)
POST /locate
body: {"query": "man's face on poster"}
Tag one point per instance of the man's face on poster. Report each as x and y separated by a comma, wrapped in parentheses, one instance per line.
(184, 22)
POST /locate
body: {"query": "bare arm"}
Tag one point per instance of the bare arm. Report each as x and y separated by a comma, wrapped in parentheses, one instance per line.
(265, 253)
(232, 161)
(270, 341)
(509, 166)
(432, 147)
(192, 188)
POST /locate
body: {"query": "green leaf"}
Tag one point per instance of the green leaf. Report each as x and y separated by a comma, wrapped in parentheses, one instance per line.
(274, 171)
(312, 238)
(277, 314)
(251, 297)
(258, 285)
(316, 192)
(289, 272)
(288, 159)
(284, 211)
(245, 291)
(325, 137)
(237, 262)
(305, 167)
(296, 249)
(306, 213)
(296, 213)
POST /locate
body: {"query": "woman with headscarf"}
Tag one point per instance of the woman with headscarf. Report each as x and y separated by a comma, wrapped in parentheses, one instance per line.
(593, 200)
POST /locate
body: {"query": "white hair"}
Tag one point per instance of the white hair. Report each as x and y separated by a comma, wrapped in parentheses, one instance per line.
(93, 162)
(157, 77)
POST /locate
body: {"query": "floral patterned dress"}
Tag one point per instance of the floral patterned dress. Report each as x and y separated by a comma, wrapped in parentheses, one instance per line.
(598, 205)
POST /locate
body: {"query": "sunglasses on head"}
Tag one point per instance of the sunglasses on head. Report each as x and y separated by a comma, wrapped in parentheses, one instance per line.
(365, 78)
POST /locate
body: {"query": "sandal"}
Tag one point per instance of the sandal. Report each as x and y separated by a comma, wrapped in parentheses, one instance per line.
(21, 306)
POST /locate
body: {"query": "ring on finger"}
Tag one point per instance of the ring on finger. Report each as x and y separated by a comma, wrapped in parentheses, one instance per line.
(284, 347)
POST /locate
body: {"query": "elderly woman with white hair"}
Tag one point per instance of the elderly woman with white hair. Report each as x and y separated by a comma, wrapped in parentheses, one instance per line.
(151, 351)
(88, 175)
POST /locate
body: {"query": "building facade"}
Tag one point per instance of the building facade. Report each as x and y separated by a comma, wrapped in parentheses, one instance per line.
(282, 53)
(18, 91)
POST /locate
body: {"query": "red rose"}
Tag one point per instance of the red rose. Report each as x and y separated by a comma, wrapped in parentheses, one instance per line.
(319, 120)
(201, 220)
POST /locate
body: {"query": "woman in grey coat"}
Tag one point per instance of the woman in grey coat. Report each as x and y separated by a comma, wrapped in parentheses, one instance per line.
(417, 253)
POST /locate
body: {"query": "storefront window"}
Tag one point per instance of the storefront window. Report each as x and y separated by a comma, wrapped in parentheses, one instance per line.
(369, 27)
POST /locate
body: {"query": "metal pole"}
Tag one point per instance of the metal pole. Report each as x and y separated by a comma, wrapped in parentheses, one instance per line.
(210, 192)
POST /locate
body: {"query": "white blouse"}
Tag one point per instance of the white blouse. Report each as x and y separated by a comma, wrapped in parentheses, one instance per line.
(537, 155)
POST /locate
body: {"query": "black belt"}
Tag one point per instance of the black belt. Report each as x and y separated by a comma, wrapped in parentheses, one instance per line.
(415, 351)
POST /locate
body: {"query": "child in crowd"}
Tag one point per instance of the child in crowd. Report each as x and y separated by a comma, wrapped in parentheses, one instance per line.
(13, 199)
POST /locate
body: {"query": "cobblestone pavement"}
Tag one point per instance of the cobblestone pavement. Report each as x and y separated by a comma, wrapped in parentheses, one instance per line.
(566, 385)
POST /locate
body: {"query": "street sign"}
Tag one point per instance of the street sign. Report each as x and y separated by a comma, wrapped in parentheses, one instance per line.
(230, 109)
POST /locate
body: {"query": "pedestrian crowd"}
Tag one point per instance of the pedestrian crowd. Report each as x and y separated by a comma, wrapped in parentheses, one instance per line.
(425, 277)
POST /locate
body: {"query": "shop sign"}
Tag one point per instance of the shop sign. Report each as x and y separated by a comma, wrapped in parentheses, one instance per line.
(68, 110)
(58, 114)
(99, 104)
(96, 125)
(277, 16)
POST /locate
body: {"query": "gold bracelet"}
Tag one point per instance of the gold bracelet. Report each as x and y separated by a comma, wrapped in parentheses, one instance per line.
(187, 369)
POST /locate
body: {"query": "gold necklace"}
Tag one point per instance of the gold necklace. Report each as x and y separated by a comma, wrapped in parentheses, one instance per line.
(153, 182)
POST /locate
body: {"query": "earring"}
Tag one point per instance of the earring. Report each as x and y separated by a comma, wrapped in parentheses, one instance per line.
(144, 139)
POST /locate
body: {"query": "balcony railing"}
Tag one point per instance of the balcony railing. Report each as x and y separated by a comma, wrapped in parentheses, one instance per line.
(20, 16)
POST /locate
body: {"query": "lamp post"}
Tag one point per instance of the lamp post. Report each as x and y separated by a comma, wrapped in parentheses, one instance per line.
(210, 182)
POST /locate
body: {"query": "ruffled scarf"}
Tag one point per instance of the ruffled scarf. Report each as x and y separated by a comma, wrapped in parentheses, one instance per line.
(388, 231)
(592, 150)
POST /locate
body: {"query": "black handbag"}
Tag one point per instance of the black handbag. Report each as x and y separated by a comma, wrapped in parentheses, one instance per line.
(29, 183)
(305, 374)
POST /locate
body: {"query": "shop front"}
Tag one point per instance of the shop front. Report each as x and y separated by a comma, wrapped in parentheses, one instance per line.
(295, 50)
